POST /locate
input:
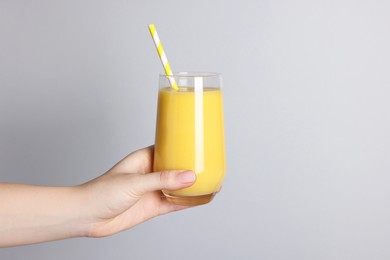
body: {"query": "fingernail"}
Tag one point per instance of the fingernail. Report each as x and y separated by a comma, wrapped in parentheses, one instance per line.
(186, 177)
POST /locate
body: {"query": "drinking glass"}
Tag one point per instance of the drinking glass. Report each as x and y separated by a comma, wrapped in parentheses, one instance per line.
(190, 134)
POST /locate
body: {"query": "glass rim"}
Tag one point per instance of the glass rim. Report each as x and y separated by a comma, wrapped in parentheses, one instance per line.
(191, 74)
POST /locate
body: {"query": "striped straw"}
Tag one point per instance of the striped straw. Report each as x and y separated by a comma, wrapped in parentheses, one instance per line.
(162, 55)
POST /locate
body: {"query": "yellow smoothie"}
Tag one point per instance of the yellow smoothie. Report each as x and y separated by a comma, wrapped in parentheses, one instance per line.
(190, 135)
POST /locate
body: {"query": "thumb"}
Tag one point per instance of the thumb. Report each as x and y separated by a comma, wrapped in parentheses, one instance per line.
(170, 180)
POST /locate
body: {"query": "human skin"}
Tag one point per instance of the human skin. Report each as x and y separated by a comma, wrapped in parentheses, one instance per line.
(126, 195)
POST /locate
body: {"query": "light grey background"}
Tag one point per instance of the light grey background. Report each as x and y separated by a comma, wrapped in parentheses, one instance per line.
(306, 88)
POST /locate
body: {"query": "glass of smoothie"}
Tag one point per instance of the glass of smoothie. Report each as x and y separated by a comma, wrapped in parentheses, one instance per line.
(190, 134)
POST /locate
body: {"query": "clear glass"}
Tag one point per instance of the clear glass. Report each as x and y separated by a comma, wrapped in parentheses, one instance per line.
(190, 134)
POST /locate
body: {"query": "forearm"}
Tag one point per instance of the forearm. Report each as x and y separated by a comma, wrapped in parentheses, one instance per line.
(33, 214)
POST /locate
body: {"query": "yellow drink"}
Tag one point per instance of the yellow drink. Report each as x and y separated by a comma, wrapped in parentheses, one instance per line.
(190, 135)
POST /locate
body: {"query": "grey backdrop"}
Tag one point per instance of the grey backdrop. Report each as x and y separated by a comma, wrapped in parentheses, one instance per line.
(306, 88)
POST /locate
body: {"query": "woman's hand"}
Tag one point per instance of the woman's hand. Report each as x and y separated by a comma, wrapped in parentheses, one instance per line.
(129, 194)
(126, 195)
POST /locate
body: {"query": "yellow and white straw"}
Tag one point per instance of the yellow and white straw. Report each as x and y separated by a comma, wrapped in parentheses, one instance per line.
(163, 56)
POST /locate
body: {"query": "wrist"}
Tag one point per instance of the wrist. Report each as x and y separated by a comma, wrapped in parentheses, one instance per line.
(80, 219)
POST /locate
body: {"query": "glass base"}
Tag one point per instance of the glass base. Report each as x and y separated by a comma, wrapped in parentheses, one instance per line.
(190, 200)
